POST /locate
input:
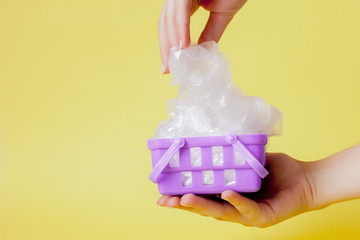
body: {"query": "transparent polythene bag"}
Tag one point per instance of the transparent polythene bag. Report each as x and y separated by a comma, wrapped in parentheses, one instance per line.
(208, 102)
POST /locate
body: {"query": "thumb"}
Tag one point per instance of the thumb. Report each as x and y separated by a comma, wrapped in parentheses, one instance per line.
(215, 26)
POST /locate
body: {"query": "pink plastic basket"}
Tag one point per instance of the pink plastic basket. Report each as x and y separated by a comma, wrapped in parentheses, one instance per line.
(247, 175)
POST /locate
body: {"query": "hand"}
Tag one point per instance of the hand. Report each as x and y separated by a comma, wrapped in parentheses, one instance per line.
(286, 192)
(174, 23)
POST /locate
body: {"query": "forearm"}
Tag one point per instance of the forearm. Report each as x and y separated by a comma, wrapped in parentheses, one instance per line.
(336, 178)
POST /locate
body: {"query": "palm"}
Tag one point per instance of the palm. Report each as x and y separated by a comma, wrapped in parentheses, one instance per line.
(285, 193)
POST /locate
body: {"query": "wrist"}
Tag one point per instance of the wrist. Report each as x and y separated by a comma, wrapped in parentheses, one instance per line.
(311, 170)
(335, 178)
(312, 188)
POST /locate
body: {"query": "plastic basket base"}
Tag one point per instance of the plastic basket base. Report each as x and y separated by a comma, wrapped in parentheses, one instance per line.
(246, 181)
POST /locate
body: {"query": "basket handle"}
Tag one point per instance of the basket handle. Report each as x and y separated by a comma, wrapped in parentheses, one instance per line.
(170, 153)
(253, 162)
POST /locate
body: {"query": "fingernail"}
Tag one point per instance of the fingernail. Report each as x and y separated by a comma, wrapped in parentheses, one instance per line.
(226, 198)
(184, 204)
(162, 68)
(180, 44)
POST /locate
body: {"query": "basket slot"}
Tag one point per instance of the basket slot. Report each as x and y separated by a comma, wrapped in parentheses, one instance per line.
(195, 156)
(208, 178)
(217, 156)
(186, 179)
(229, 177)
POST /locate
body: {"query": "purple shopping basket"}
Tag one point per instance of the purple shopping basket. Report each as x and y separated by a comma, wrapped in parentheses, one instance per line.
(247, 174)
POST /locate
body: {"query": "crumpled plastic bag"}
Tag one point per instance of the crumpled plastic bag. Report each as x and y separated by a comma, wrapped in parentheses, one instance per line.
(208, 102)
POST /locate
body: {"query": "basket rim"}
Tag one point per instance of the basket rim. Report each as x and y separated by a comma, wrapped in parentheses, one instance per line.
(208, 141)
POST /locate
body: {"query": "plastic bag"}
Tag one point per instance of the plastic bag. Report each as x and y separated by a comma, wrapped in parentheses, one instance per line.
(208, 102)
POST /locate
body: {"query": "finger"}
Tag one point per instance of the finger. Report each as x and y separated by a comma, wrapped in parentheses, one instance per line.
(217, 210)
(183, 9)
(169, 201)
(170, 23)
(163, 42)
(163, 200)
(247, 207)
(202, 206)
(215, 26)
(173, 202)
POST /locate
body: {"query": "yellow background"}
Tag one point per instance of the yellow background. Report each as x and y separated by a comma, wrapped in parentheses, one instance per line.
(81, 91)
